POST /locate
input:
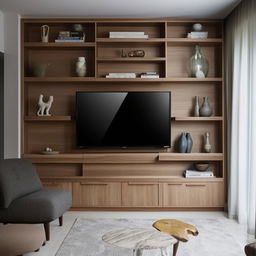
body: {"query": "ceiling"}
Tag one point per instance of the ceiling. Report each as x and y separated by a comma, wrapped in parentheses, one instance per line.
(120, 8)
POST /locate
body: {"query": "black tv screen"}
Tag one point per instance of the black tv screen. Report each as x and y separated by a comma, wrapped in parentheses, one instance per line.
(123, 119)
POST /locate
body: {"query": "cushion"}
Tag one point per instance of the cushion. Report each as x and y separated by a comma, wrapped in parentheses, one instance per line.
(39, 207)
(250, 249)
(17, 178)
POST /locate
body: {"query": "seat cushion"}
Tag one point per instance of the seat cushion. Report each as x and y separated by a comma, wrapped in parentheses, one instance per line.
(38, 207)
(17, 178)
(250, 249)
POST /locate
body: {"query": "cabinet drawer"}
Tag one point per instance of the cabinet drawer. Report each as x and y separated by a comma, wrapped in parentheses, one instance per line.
(57, 185)
(96, 194)
(193, 194)
(135, 194)
(173, 195)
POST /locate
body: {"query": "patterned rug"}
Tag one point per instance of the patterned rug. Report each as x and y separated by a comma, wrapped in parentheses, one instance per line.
(84, 239)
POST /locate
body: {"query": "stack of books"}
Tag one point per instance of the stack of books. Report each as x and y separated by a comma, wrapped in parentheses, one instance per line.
(197, 174)
(121, 75)
(149, 75)
(197, 35)
(127, 35)
(70, 37)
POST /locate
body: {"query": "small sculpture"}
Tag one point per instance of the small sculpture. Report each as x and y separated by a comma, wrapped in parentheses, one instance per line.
(136, 53)
(44, 107)
(81, 67)
(182, 143)
(197, 27)
(207, 145)
(77, 27)
(205, 109)
(45, 33)
(196, 108)
(189, 143)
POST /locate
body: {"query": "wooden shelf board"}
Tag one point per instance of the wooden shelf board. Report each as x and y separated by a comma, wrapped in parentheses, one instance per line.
(102, 79)
(190, 157)
(47, 118)
(129, 40)
(132, 59)
(194, 40)
(52, 45)
(192, 118)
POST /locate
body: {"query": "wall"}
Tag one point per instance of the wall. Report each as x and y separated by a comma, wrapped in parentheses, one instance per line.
(11, 85)
(1, 85)
(1, 31)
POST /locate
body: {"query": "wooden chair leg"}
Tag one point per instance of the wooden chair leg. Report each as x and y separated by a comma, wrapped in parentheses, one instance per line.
(47, 230)
(175, 248)
(61, 221)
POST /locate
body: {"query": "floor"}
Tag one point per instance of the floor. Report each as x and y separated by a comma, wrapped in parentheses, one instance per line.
(58, 234)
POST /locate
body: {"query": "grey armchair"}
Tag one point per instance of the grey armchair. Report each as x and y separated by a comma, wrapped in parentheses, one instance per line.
(22, 199)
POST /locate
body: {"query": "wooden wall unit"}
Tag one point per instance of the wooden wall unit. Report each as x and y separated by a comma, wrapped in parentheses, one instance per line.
(125, 178)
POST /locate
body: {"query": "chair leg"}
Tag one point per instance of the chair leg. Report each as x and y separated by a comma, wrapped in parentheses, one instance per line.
(61, 221)
(47, 230)
(175, 248)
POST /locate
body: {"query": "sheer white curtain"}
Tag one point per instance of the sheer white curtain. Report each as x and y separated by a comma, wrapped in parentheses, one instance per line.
(240, 54)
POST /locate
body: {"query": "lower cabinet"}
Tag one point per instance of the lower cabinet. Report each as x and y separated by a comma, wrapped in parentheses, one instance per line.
(138, 194)
(193, 194)
(96, 194)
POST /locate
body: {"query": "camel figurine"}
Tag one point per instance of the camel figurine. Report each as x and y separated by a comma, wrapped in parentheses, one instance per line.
(44, 107)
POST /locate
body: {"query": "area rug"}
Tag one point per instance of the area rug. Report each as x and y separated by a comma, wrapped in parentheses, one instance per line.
(84, 239)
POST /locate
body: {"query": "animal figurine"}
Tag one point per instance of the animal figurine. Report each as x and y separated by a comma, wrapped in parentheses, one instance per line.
(44, 107)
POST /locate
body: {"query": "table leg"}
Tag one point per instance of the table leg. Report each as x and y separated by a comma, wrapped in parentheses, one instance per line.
(175, 248)
(137, 252)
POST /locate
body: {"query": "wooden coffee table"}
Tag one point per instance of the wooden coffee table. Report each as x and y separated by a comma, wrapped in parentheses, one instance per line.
(140, 239)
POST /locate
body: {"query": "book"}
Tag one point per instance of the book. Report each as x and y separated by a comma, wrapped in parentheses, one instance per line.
(149, 76)
(129, 36)
(121, 75)
(197, 174)
(125, 33)
(197, 35)
(68, 41)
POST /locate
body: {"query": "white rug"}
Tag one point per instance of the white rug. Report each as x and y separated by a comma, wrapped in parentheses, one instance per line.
(84, 238)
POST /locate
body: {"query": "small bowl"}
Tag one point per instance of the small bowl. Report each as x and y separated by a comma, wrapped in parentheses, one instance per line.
(201, 166)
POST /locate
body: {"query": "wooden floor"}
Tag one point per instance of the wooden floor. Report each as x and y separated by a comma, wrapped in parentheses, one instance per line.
(58, 234)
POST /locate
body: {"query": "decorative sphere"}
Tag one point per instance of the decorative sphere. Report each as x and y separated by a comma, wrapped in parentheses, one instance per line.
(197, 27)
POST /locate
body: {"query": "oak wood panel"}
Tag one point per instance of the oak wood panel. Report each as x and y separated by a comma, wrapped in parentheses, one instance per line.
(141, 194)
(57, 185)
(58, 170)
(173, 195)
(47, 45)
(96, 194)
(190, 157)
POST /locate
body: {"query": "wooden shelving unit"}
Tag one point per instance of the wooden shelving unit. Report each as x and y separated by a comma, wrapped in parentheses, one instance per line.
(125, 178)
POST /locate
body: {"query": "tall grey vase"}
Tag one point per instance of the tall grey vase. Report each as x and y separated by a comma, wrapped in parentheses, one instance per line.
(205, 109)
(196, 107)
(182, 143)
(189, 143)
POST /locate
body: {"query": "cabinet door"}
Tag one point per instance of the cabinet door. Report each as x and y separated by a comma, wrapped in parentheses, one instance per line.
(57, 185)
(97, 194)
(173, 195)
(196, 195)
(136, 194)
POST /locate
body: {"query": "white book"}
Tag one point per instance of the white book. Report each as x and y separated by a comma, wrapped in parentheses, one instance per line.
(195, 35)
(197, 174)
(122, 74)
(107, 76)
(129, 36)
(126, 33)
(149, 76)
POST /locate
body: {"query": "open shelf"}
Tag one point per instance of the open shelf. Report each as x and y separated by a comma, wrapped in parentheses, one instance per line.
(201, 118)
(131, 59)
(190, 157)
(195, 40)
(129, 40)
(47, 118)
(102, 79)
(50, 45)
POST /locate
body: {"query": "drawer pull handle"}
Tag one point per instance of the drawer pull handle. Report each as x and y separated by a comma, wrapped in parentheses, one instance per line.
(50, 183)
(195, 185)
(93, 183)
(141, 183)
(175, 184)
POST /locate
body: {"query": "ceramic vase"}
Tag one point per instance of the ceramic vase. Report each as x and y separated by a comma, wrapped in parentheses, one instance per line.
(189, 143)
(39, 69)
(198, 65)
(197, 107)
(182, 143)
(81, 67)
(207, 145)
(45, 33)
(205, 109)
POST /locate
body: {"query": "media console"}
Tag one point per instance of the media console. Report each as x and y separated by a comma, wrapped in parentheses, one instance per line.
(125, 179)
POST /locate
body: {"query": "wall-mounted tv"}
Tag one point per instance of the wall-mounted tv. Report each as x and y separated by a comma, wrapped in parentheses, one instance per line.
(123, 119)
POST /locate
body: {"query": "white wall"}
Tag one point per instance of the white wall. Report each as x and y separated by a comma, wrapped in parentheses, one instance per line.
(11, 85)
(1, 31)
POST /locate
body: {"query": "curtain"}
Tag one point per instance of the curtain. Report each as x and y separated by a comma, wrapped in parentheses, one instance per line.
(240, 56)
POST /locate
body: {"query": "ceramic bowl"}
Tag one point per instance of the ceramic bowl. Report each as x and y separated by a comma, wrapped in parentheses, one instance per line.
(201, 166)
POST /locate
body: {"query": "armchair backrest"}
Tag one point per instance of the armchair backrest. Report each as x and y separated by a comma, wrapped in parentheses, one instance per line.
(17, 178)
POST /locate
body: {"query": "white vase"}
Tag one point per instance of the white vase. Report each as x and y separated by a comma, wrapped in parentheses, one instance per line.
(81, 67)
(207, 145)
